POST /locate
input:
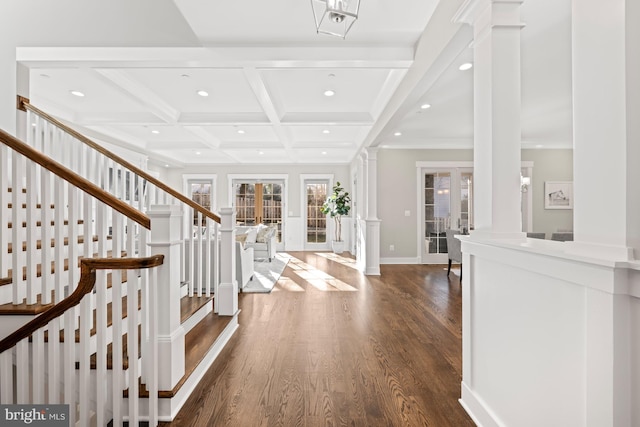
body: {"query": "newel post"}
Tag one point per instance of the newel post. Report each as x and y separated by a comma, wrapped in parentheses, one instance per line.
(166, 222)
(228, 288)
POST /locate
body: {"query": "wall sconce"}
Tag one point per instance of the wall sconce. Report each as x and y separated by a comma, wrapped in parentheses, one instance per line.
(525, 181)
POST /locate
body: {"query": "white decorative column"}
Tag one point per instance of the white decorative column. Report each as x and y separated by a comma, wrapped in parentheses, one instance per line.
(606, 128)
(228, 288)
(497, 134)
(166, 221)
(372, 232)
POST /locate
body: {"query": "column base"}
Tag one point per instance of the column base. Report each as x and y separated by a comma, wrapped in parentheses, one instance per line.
(171, 362)
(228, 299)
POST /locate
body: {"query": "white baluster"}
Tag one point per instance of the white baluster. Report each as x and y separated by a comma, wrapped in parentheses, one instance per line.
(192, 254)
(5, 163)
(216, 267)
(59, 211)
(200, 255)
(46, 234)
(22, 371)
(70, 315)
(6, 373)
(132, 345)
(17, 256)
(152, 358)
(53, 360)
(32, 228)
(207, 256)
(101, 318)
(37, 369)
(116, 326)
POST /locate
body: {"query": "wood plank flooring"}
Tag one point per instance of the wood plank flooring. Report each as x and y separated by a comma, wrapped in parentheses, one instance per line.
(332, 347)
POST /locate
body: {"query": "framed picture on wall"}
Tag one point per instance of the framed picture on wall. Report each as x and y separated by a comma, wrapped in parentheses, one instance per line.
(558, 195)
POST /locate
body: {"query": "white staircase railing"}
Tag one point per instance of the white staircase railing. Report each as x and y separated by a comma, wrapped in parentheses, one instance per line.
(135, 187)
(64, 360)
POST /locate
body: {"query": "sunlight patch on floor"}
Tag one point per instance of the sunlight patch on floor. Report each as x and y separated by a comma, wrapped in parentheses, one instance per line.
(318, 278)
(287, 284)
(348, 262)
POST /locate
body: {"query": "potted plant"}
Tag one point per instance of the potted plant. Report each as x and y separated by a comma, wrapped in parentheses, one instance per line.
(336, 205)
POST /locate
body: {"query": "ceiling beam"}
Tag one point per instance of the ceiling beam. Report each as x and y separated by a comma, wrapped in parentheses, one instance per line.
(140, 93)
(441, 41)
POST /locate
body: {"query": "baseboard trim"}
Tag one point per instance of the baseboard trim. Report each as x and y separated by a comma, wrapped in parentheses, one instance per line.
(407, 260)
(477, 409)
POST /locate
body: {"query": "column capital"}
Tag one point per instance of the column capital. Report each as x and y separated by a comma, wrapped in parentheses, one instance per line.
(372, 153)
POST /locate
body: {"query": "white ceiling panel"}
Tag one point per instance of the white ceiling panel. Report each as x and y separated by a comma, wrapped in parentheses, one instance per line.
(302, 90)
(227, 89)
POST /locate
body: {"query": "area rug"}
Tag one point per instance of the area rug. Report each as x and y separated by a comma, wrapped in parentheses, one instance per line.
(266, 274)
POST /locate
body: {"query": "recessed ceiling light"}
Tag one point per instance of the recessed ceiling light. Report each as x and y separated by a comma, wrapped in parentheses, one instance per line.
(240, 131)
(398, 133)
(198, 153)
(539, 146)
(77, 93)
(466, 66)
(186, 76)
(324, 153)
(329, 92)
(33, 124)
(166, 166)
(203, 93)
(331, 75)
(425, 106)
(45, 76)
(326, 131)
(155, 132)
(261, 152)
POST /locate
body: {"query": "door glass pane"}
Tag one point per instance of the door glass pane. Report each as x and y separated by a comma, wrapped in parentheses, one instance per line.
(245, 204)
(316, 220)
(272, 206)
(437, 210)
(201, 194)
(466, 201)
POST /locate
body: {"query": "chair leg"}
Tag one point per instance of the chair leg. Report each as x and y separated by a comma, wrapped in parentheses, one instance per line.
(449, 269)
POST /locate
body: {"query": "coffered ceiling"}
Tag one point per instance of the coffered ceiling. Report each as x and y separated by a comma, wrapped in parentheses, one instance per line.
(266, 73)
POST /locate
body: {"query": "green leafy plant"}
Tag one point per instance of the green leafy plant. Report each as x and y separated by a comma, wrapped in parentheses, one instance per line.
(337, 205)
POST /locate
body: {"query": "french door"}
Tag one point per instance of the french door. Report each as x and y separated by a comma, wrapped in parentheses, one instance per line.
(260, 202)
(447, 200)
(316, 191)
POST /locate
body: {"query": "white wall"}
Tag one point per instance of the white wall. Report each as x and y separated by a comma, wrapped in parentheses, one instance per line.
(548, 339)
(397, 193)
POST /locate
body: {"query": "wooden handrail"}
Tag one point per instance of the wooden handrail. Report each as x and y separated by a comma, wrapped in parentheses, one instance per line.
(88, 267)
(23, 104)
(75, 179)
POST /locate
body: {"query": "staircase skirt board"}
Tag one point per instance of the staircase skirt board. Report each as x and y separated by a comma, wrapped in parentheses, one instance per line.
(170, 405)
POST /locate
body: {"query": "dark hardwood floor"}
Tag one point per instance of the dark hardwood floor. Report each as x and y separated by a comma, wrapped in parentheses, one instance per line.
(332, 347)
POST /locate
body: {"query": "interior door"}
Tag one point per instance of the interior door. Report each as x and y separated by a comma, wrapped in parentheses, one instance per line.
(447, 198)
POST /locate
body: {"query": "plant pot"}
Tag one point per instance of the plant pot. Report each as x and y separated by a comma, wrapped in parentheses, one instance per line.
(337, 246)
